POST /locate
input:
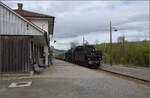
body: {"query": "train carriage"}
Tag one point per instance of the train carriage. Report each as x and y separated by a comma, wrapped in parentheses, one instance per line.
(83, 55)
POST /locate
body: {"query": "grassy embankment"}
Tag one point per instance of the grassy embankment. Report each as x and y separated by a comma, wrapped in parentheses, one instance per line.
(130, 54)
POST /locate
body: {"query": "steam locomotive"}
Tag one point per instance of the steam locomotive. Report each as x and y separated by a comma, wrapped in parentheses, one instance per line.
(83, 55)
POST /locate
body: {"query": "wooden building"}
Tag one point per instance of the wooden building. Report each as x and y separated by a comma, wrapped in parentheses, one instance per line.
(21, 42)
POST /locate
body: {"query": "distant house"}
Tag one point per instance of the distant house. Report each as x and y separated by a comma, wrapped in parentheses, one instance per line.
(22, 42)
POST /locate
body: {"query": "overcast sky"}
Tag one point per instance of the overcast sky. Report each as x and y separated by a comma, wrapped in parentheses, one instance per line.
(91, 19)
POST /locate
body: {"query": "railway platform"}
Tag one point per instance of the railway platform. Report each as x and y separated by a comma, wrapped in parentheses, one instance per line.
(140, 73)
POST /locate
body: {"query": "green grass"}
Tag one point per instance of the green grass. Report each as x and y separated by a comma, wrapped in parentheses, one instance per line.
(132, 54)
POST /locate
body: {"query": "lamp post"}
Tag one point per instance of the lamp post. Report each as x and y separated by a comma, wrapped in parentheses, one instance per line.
(149, 49)
(111, 29)
(110, 43)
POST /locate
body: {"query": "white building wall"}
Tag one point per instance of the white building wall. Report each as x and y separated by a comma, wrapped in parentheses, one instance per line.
(13, 24)
(43, 24)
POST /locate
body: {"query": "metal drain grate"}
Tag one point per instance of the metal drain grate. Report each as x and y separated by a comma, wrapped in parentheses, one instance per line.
(21, 84)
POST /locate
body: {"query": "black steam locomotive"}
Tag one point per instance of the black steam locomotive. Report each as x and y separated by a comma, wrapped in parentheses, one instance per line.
(83, 55)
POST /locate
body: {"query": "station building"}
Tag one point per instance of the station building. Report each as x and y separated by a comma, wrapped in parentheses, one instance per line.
(24, 39)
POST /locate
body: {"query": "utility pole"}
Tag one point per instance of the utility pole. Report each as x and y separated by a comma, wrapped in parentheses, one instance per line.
(83, 38)
(104, 52)
(110, 43)
(149, 49)
(123, 49)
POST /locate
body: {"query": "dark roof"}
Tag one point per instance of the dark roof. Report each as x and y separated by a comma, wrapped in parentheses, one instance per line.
(26, 13)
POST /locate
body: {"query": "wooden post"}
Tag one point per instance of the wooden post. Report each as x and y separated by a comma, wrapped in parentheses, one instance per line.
(123, 49)
(110, 43)
(149, 50)
(104, 52)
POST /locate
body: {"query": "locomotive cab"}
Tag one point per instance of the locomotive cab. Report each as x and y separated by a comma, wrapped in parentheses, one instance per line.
(93, 57)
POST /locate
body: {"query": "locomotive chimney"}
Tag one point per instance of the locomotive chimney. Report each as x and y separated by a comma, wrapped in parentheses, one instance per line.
(20, 5)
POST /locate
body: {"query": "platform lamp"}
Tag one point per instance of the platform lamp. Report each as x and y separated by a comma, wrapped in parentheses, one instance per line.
(54, 41)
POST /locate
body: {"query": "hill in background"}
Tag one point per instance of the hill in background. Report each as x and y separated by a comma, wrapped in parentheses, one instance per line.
(57, 51)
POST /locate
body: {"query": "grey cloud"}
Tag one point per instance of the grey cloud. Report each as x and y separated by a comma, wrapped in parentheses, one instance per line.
(144, 17)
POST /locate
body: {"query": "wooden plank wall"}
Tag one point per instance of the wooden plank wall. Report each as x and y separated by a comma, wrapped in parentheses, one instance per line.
(14, 54)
